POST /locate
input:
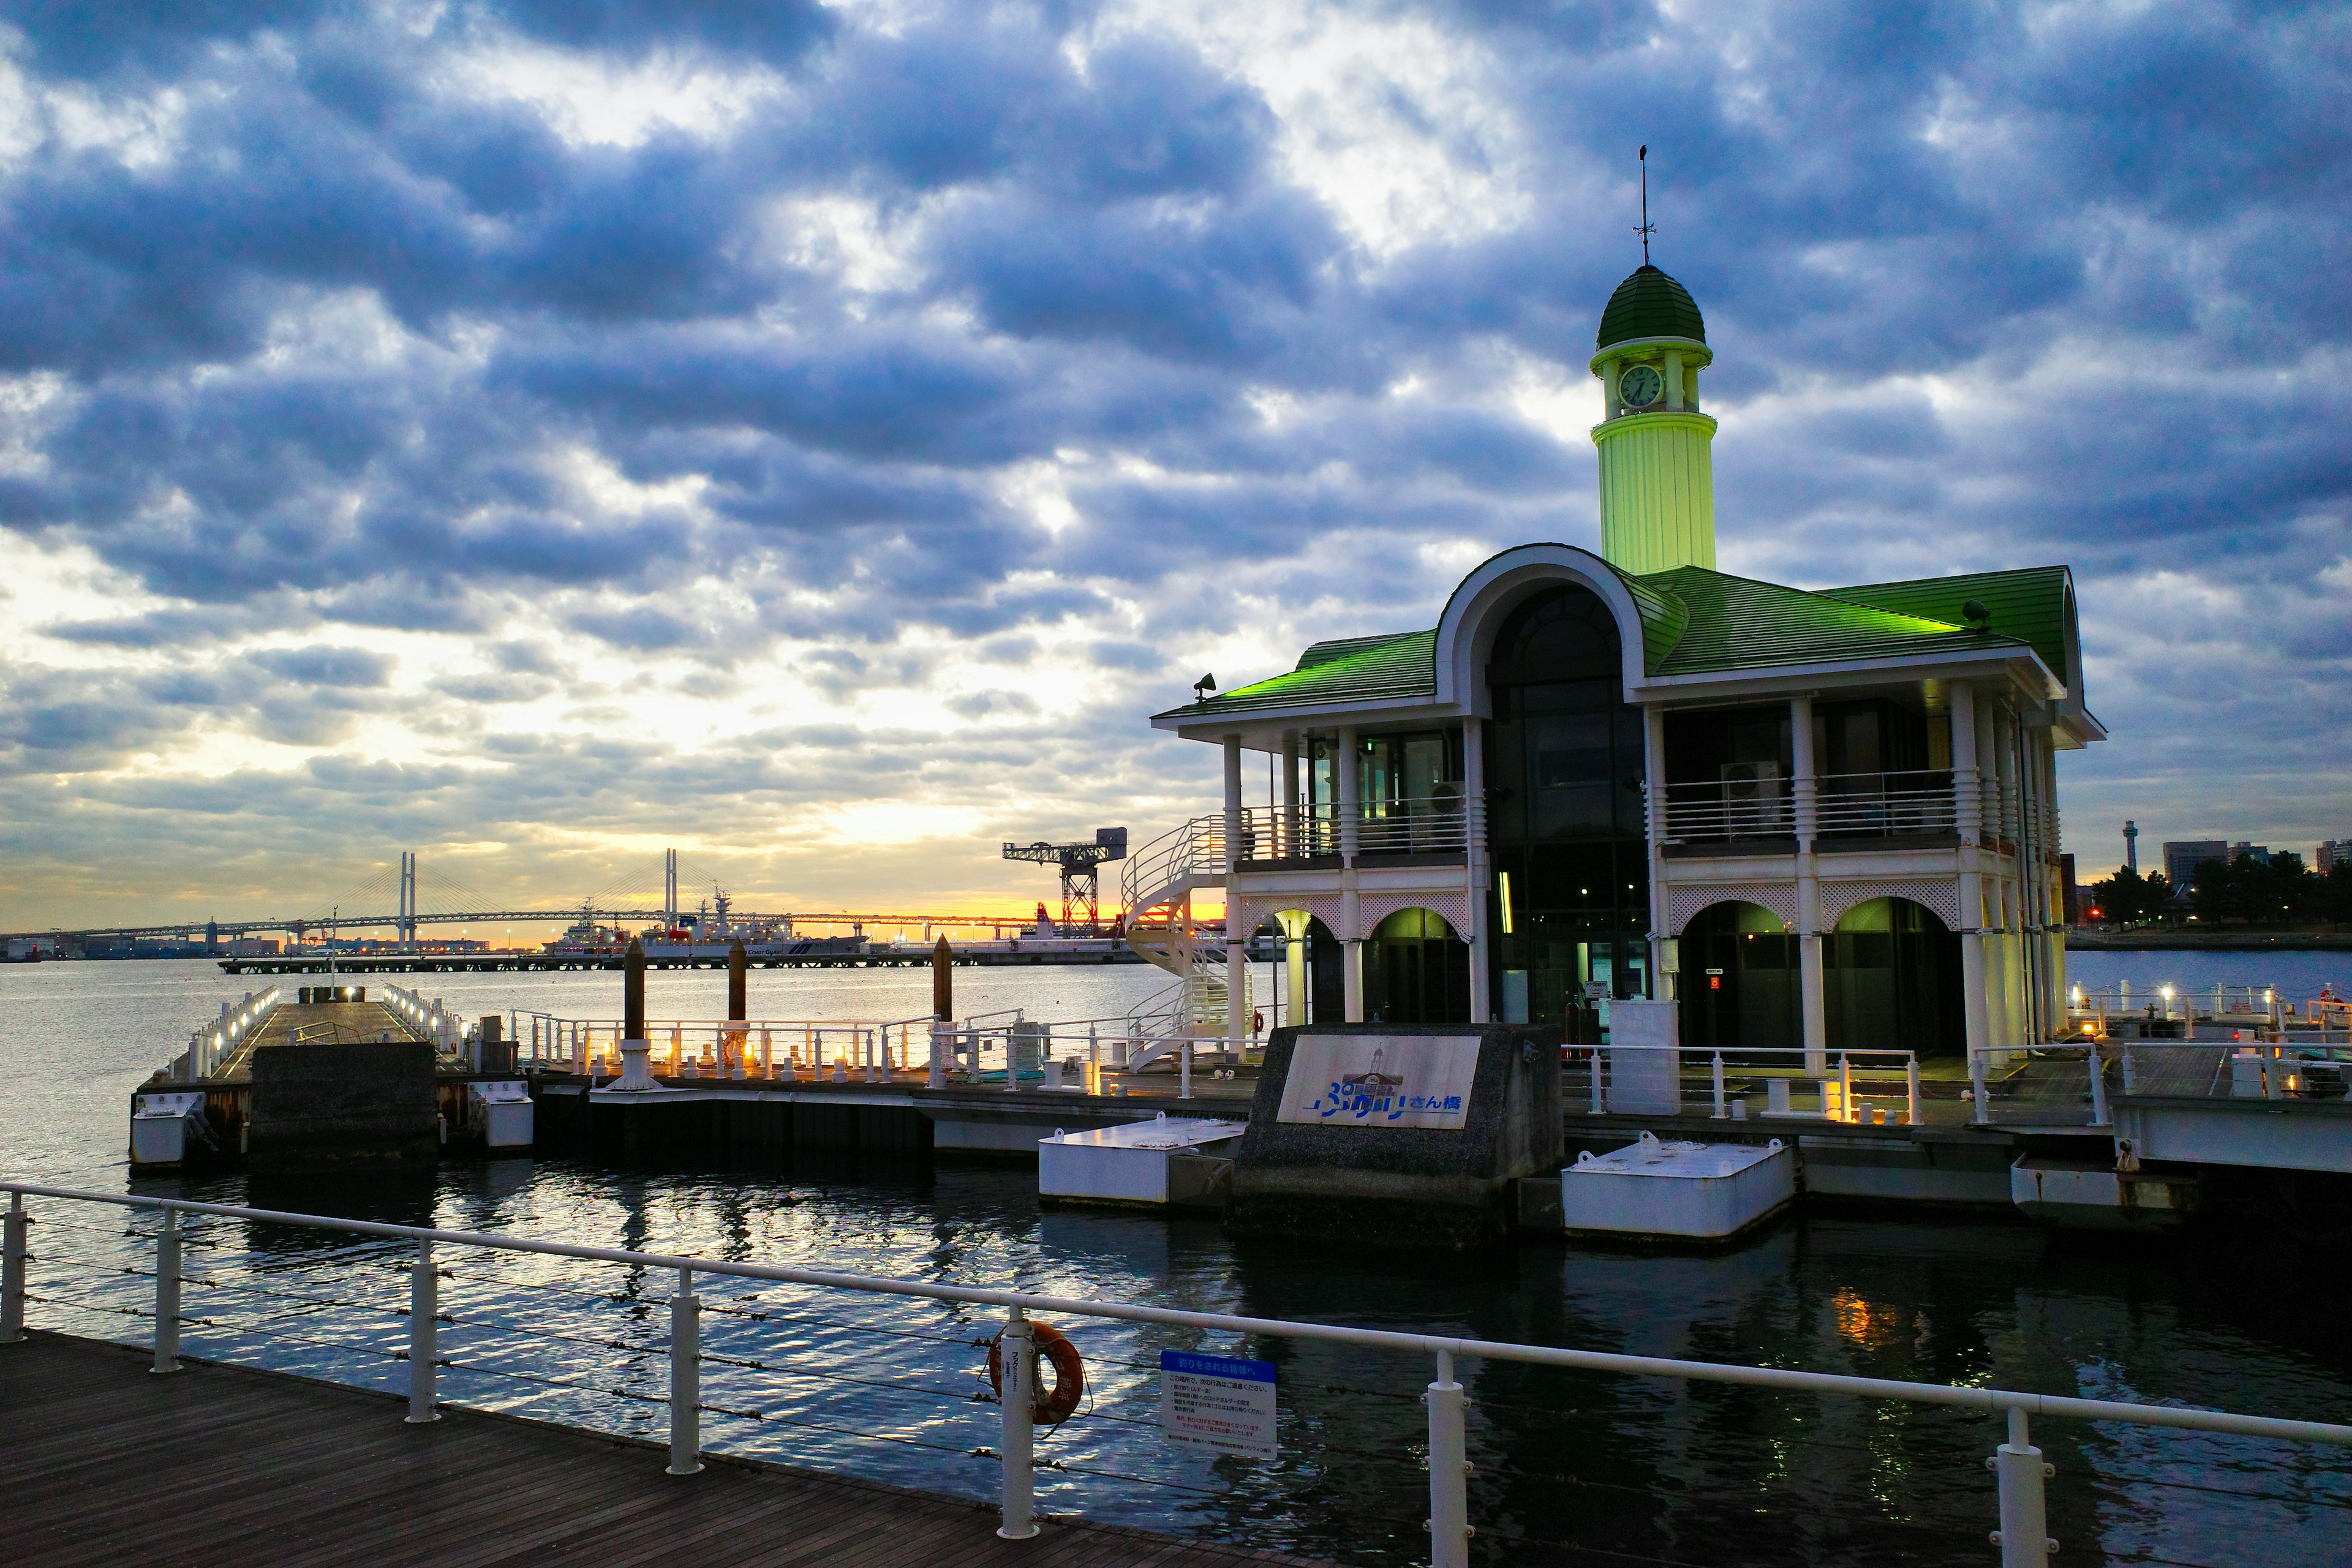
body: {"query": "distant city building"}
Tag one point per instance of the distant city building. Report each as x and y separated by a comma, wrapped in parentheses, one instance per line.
(2333, 852)
(2131, 847)
(2261, 852)
(2183, 856)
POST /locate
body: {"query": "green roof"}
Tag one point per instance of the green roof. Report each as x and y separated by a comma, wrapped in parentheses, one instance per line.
(2028, 605)
(1697, 622)
(1739, 623)
(1650, 304)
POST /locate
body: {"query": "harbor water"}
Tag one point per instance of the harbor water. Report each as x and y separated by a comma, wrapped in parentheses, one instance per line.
(1569, 1468)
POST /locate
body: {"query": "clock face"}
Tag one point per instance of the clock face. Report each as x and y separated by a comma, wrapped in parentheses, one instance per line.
(1641, 386)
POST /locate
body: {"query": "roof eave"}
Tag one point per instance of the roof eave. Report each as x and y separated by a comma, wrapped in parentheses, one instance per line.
(1852, 672)
(1195, 725)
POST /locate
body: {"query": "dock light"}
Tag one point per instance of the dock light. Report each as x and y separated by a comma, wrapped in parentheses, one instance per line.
(1202, 687)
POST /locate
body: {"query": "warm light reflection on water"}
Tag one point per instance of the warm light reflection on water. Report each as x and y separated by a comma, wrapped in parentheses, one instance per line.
(1652, 1469)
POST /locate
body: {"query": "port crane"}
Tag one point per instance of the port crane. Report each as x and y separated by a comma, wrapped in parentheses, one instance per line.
(1078, 863)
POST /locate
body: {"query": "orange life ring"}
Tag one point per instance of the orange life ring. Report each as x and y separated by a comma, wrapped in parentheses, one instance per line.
(1049, 1408)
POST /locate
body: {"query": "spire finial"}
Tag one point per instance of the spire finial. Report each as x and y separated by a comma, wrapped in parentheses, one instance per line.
(1647, 229)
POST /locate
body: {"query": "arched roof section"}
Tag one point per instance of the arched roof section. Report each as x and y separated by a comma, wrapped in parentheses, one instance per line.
(1649, 621)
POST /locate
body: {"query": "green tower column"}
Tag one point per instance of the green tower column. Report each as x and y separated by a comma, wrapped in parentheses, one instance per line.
(1657, 464)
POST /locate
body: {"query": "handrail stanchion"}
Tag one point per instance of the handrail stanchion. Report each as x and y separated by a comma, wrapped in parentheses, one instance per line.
(685, 1378)
(1722, 1110)
(1449, 1471)
(1846, 1088)
(1977, 1074)
(1911, 1088)
(2024, 1533)
(2099, 1117)
(1600, 1103)
(12, 1270)
(424, 1336)
(167, 1295)
(1184, 1075)
(1016, 1378)
(936, 1077)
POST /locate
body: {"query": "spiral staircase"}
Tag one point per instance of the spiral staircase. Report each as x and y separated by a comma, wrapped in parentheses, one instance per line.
(1156, 884)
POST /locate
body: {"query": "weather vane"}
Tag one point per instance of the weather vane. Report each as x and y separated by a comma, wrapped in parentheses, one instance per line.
(1647, 228)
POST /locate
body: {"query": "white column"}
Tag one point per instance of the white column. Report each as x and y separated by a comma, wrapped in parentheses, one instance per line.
(1813, 994)
(1653, 780)
(1473, 863)
(1288, 816)
(1352, 925)
(1610, 404)
(1236, 939)
(1969, 816)
(1673, 374)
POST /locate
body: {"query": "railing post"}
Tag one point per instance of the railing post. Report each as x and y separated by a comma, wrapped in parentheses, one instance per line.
(1600, 1103)
(1722, 1109)
(1846, 1088)
(936, 1077)
(167, 1295)
(424, 1336)
(1449, 1471)
(1017, 1377)
(1184, 1075)
(2099, 1117)
(1977, 1082)
(685, 1378)
(1911, 1088)
(12, 1270)
(2024, 1533)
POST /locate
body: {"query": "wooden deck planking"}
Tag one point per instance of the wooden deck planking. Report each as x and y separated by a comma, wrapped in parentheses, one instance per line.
(223, 1464)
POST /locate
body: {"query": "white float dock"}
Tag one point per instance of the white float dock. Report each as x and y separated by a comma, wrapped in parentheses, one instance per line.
(1685, 1190)
(1165, 1163)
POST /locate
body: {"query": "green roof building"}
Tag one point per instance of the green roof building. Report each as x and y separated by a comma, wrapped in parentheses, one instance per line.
(1632, 795)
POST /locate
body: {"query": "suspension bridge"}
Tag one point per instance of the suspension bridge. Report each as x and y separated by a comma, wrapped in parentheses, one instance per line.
(404, 897)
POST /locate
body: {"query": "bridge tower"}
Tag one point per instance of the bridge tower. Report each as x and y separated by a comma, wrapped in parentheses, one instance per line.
(669, 889)
(406, 922)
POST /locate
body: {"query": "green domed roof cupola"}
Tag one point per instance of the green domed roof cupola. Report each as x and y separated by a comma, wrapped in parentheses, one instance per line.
(1657, 464)
(1650, 304)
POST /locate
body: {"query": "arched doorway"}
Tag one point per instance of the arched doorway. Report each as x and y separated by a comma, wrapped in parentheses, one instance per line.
(1416, 971)
(1890, 981)
(1570, 905)
(1741, 983)
(1310, 982)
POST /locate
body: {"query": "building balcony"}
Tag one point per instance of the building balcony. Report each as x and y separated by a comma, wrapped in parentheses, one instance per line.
(1432, 830)
(1756, 811)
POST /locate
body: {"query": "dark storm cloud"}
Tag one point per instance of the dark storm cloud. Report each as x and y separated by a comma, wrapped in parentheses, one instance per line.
(329, 336)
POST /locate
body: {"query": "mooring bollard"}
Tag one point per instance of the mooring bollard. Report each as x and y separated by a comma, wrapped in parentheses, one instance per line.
(2024, 1533)
(424, 1336)
(167, 1295)
(1017, 1380)
(685, 1378)
(1449, 1471)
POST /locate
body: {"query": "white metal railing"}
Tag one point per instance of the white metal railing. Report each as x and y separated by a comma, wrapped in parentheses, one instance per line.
(1843, 1083)
(1417, 825)
(238, 1022)
(2019, 1471)
(2218, 1006)
(2073, 1083)
(771, 1048)
(1171, 864)
(1844, 805)
(430, 1020)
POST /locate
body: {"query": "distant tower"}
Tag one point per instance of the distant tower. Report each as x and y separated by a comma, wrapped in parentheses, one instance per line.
(1657, 461)
(2131, 847)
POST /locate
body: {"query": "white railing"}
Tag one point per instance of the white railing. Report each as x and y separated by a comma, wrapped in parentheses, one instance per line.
(1845, 806)
(2073, 1083)
(769, 1048)
(1420, 825)
(2019, 1471)
(1171, 864)
(1842, 1084)
(430, 1020)
(238, 1022)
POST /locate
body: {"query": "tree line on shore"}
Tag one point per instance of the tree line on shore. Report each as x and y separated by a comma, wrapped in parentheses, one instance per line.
(2249, 889)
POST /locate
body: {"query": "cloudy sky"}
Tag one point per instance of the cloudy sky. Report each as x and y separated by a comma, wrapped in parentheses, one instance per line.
(817, 436)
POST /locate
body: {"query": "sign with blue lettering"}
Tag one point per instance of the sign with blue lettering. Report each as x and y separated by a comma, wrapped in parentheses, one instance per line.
(1381, 1080)
(1223, 1405)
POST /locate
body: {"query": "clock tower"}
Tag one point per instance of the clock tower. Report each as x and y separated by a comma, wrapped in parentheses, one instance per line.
(1657, 465)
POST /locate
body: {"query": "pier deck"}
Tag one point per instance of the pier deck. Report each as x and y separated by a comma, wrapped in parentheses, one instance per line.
(225, 1465)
